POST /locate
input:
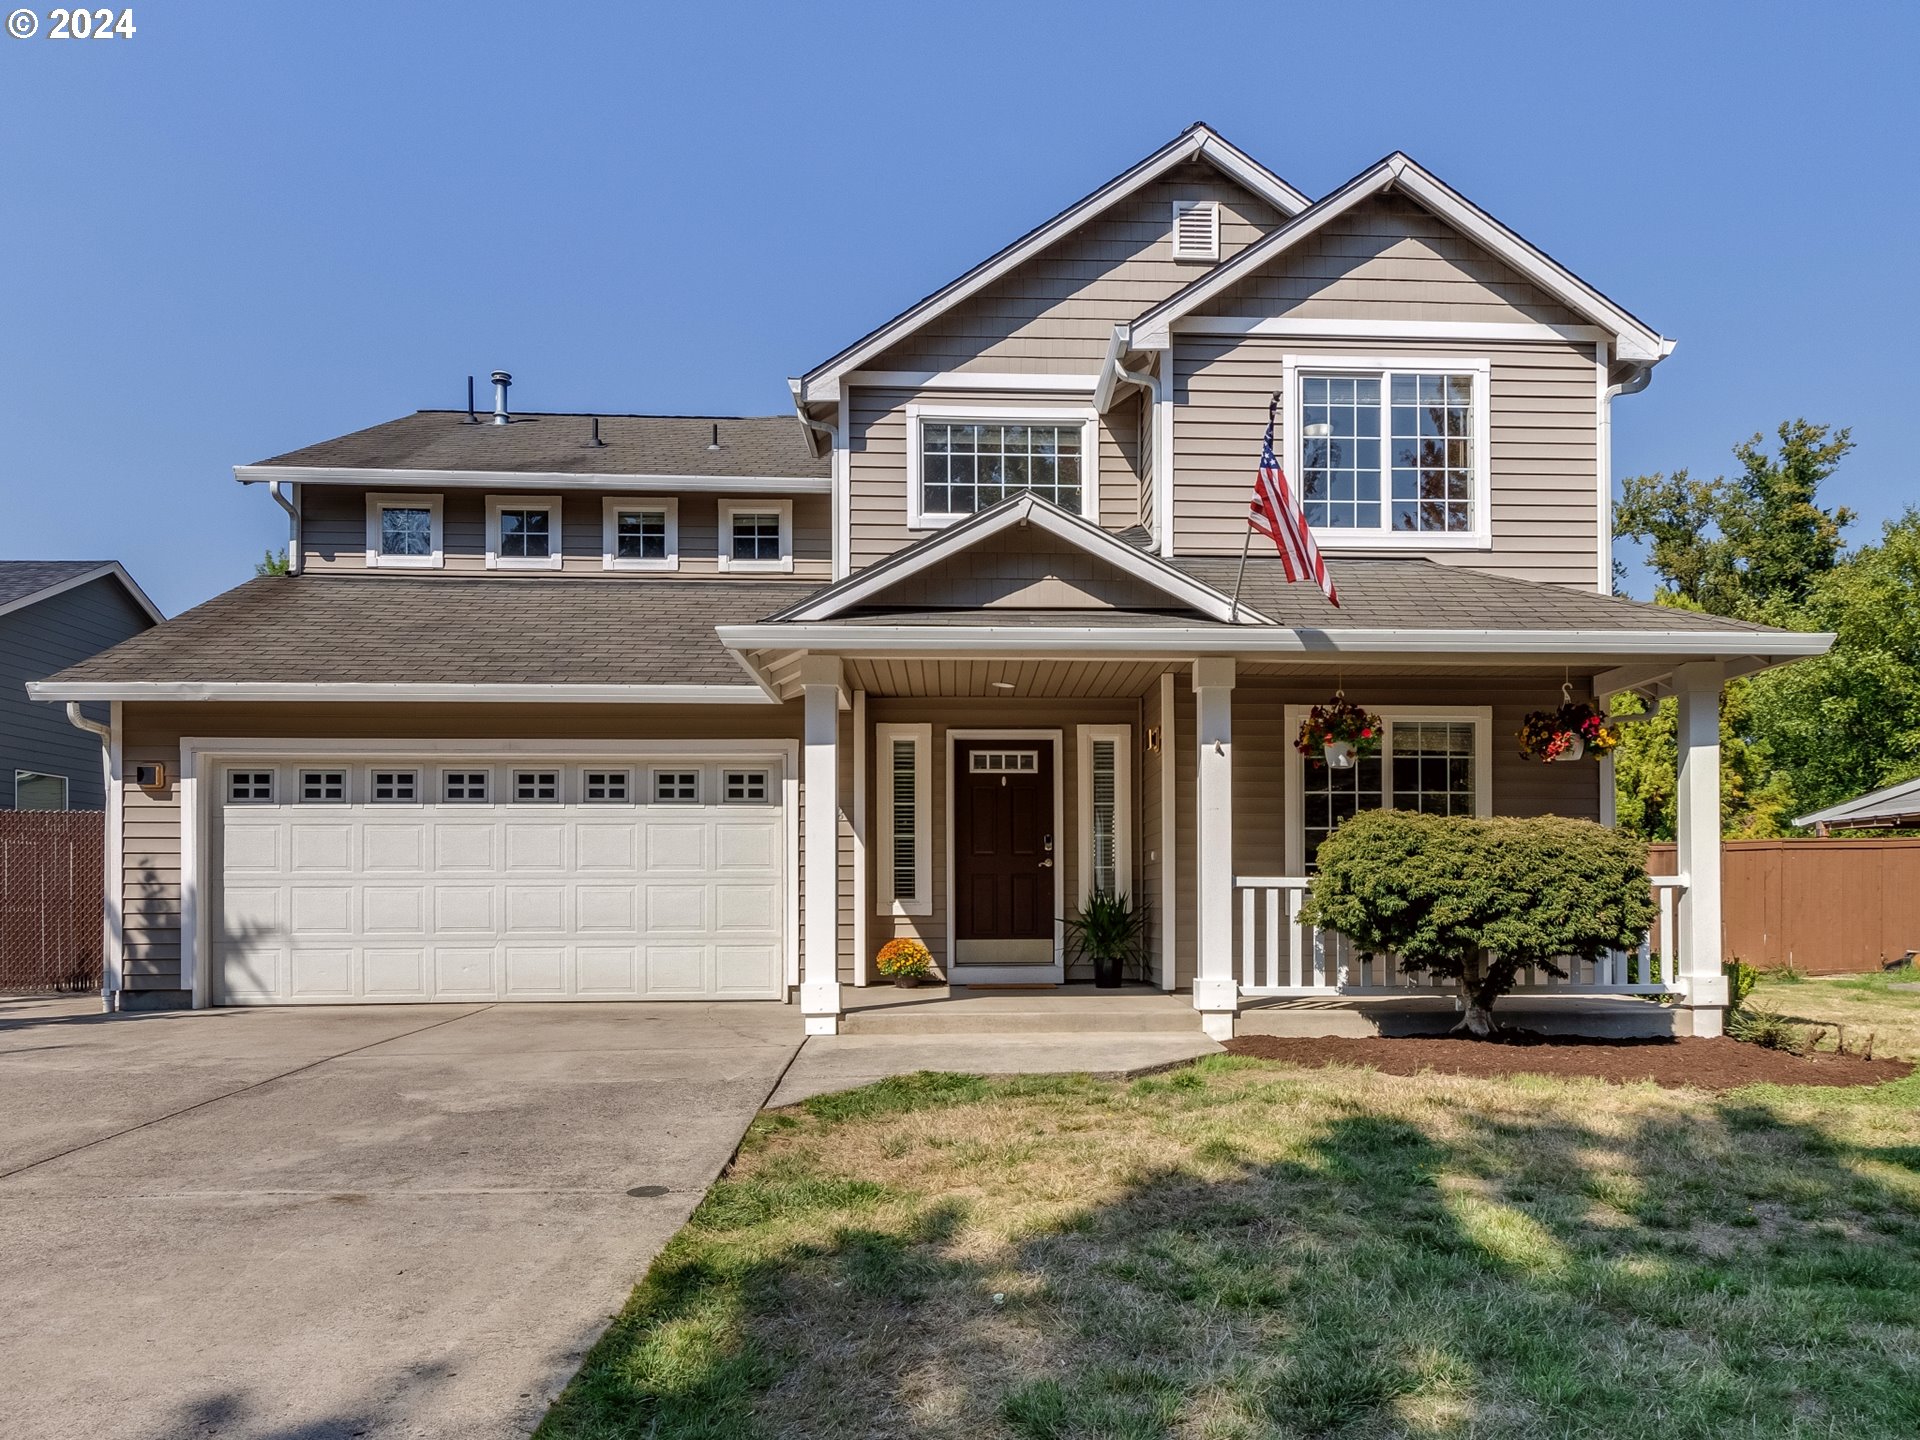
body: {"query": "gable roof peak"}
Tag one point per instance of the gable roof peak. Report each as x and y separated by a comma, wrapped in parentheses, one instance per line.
(1199, 141)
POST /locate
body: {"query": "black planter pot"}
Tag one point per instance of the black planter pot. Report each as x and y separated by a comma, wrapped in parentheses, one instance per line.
(1106, 972)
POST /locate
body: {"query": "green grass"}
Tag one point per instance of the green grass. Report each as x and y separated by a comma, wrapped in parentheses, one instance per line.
(1243, 1250)
(1865, 1004)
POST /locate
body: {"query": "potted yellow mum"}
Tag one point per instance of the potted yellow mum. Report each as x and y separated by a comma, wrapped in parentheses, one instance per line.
(905, 961)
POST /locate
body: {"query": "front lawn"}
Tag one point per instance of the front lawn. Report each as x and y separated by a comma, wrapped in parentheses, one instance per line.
(1864, 1004)
(1243, 1249)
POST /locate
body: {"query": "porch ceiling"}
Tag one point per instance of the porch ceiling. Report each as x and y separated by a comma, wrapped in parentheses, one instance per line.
(1047, 679)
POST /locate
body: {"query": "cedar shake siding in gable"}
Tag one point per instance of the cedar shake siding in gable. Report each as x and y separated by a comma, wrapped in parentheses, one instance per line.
(1055, 314)
(1545, 466)
(878, 437)
(334, 531)
(1388, 259)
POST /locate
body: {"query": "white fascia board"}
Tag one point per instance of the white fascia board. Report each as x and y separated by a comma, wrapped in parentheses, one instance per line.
(1109, 380)
(1056, 522)
(87, 577)
(1632, 339)
(1174, 642)
(821, 383)
(329, 693)
(536, 480)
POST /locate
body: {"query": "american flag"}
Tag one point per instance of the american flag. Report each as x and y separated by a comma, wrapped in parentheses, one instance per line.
(1275, 516)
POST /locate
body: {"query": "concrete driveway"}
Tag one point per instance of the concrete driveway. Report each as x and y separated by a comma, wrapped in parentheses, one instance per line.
(392, 1220)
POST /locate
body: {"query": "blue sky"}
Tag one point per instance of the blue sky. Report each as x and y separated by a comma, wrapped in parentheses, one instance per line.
(254, 226)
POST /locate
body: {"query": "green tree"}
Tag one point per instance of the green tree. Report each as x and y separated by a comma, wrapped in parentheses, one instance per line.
(273, 563)
(1478, 901)
(1849, 721)
(1749, 544)
(1756, 798)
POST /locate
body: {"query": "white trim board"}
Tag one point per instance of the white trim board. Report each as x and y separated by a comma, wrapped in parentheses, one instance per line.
(206, 754)
(331, 691)
(534, 480)
(87, 577)
(968, 380)
(821, 384)
(1012, 974)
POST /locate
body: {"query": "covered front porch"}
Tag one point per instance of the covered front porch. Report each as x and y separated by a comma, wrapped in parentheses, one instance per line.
(1177, 782)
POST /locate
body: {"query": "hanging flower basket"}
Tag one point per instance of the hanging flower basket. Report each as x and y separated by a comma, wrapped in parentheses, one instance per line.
(1572, 732)
(1341, 731)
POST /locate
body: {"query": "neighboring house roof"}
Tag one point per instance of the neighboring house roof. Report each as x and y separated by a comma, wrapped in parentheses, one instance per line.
(1197, 142)
(1633, 339)
(28, 582)
(1895, 805)
(442, 445)
(365, 636)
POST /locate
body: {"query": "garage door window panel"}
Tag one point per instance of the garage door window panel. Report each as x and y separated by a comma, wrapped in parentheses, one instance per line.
(396, 787)
(250, 787)
(536, 787)
(606, 787)
(676, 787)
(465, 787)
(746, 787)
(323, 787)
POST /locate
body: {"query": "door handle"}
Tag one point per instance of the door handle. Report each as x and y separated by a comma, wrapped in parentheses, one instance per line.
(1047, 845)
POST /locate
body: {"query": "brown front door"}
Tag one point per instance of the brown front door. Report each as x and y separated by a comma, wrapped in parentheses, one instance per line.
(1004, 852)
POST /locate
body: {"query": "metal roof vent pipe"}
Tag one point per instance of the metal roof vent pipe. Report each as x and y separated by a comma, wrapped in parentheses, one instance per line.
(501, 380)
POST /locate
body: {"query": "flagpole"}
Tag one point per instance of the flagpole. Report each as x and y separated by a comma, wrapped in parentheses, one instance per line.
(1246, 541)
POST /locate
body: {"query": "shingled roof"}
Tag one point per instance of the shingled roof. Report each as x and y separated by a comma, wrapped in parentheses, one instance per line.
(364, 629)
(444, 440)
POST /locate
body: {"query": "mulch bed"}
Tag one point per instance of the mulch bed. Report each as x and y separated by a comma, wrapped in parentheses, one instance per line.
(1675, 1063)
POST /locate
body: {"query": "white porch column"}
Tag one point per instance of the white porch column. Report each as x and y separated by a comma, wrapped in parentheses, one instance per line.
(1697, 831)
(1215, 995)
(820, 843)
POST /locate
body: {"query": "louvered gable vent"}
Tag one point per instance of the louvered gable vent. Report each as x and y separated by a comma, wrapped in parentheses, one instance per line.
(1196, 230)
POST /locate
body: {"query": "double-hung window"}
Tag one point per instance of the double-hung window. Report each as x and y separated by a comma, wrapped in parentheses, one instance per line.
(961, 461)
(405, 532)
(756, 535)
(523, 532)
(1432, 760)
(1390, 451)
(640, 535)
(902, 762)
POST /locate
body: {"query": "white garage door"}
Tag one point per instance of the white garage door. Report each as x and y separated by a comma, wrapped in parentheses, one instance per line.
(498, 880)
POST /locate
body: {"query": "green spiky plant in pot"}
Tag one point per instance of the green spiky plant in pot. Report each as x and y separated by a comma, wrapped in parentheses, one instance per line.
(1111, 932)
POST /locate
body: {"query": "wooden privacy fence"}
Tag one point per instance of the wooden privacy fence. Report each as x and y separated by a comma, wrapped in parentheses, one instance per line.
(1822, 905)
(50, 899)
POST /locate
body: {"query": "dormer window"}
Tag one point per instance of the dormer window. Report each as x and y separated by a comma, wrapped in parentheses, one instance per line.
(523, 532)
(756, 535)
(1196, 230)
(404, 532)
(640, 535)
(961, 461)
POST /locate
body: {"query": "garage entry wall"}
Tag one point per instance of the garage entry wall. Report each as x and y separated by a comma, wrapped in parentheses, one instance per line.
(151, 880)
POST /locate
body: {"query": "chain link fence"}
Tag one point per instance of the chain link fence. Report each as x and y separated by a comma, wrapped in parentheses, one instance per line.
(51, 905)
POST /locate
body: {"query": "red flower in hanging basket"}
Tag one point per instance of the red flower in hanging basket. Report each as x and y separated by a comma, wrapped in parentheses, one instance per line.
(1550, 735)
(1338, 722)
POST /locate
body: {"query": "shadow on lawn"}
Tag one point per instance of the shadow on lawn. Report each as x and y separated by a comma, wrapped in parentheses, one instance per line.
(1725, 1270)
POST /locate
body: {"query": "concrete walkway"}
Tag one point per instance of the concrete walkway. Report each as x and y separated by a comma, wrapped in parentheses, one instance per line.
(319, 1223)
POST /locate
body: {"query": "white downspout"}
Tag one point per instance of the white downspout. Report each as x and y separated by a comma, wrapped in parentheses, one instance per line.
(1161, 477)
(109, 972)
(293, 526)
(842, 486)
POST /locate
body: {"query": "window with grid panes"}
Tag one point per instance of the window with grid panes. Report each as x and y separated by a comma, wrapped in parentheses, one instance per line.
(1390, 451)
(966, 465)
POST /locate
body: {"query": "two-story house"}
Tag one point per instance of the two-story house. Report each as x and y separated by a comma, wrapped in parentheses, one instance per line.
(598, 707)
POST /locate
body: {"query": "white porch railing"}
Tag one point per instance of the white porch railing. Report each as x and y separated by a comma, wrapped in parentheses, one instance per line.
(1280, 956)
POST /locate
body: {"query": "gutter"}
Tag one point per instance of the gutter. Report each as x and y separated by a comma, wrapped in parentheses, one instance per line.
(109, 971)
(402, 691)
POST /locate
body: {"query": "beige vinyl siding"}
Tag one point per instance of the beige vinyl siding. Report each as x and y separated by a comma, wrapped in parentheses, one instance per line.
(1056, 313)
(1545, 515)
(150, 878)
(1023, 569)
(1389, 259)
(334, 532)
(877, 469)
(1260, 767)
(989, 715)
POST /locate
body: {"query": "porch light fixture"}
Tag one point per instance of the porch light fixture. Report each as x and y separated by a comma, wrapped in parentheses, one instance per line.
(1153, 740)
(1002, 684)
